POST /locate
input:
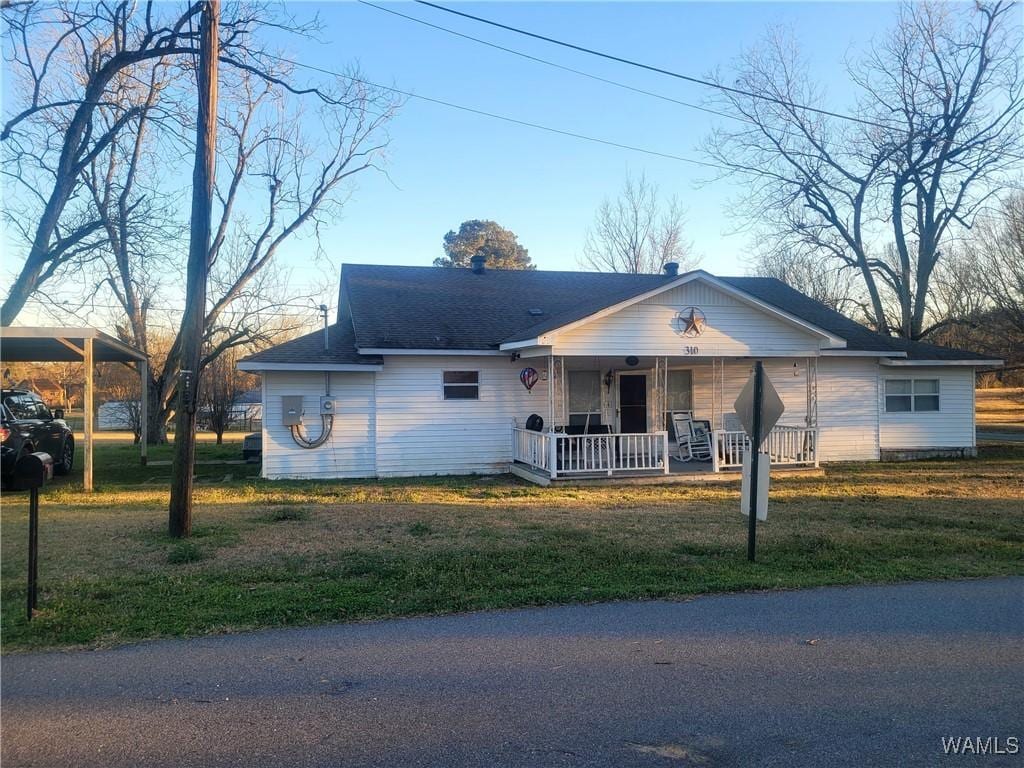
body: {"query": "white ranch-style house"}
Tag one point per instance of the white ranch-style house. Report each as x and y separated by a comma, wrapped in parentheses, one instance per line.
(434, 371)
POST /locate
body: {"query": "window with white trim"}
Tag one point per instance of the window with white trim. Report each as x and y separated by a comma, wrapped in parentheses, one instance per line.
(461, 385)
(911, 395)
(584, 398)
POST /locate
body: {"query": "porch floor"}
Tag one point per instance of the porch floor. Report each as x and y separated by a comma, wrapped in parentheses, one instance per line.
(679, 472)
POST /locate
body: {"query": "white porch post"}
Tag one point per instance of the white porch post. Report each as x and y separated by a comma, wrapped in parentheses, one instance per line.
(553, 454)
(664, 451)
(551, 394)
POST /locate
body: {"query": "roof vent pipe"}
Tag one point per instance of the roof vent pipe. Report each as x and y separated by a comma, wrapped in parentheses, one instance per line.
(671, 268)
(477, 264)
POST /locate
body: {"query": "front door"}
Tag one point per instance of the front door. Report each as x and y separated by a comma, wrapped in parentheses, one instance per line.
(632, 402)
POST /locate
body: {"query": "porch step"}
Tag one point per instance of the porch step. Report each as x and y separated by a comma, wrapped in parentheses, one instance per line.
(653, 478)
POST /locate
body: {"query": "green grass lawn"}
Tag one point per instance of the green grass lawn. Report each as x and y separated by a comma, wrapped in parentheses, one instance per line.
(290, 553)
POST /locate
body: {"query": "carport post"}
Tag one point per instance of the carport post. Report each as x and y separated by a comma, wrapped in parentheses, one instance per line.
(143, 409)
(87, 421)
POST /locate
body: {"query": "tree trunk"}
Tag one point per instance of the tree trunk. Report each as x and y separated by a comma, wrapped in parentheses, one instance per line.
(192, 321)
(157, 413)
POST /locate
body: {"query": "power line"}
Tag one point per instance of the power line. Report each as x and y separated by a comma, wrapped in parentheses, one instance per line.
(507, 119)
(556, 65)
(689, 78)
(651, 68)
(66, 306)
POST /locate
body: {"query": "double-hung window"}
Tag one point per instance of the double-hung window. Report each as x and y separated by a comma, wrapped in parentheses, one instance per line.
(461, 385)
(585, 398)
(911, 395)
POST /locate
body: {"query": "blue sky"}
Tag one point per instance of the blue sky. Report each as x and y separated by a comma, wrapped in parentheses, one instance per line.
(447, 166)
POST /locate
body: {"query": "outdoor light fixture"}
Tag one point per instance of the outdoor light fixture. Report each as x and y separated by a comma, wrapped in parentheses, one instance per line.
(608, 379)
(796, 369)
(632, 361)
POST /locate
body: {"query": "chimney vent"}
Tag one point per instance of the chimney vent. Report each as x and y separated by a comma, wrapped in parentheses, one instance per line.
(671, 268)
(477, 264)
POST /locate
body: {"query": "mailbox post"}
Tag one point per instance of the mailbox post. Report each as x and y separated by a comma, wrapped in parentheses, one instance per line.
(31, 472)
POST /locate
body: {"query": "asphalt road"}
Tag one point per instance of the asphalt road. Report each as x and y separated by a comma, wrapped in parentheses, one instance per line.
(829, 677)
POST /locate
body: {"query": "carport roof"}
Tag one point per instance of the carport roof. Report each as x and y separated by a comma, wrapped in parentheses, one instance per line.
(31, 344)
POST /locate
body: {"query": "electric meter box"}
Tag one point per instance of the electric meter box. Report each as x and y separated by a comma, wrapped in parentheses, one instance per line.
(327, 405)
(291, 410)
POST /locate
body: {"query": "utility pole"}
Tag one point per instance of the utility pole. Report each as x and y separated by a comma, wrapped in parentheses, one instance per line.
(180, 518)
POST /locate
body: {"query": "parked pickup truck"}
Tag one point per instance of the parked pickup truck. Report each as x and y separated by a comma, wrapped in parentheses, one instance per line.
(27, 425)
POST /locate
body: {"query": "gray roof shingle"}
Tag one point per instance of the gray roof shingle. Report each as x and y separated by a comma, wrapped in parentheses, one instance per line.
(341, 349)
(395, 307)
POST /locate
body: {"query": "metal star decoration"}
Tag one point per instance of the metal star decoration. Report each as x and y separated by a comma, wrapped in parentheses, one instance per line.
(692, 322)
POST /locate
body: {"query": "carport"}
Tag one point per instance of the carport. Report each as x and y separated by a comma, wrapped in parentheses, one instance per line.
(76, 345)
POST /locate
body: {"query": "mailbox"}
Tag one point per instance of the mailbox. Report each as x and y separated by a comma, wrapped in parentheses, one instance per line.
(33, 470)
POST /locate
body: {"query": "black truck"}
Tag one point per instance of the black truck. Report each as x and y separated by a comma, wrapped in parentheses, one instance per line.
(27, 425)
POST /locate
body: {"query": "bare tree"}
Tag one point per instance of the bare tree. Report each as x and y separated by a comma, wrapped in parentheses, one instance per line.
(69, 65)
(997, 251)
(285, 165)
(222, 388)
(979, 290)
(937, 130)
(637, 232)
(832, 285)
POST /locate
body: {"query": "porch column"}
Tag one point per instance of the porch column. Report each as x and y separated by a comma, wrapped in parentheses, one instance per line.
(551, 393)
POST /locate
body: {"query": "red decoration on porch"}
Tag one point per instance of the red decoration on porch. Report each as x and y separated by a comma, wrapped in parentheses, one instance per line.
(529, 377)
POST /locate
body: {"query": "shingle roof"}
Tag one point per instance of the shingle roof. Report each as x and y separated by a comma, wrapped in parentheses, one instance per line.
(341, 349)
(394, 307)
(858, 337)
(446, 308)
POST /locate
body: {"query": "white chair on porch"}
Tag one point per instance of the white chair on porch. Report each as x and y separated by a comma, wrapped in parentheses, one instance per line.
(682, 425)
(700, 440)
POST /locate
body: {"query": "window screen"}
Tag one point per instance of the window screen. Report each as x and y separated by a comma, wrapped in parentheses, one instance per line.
(461, 385)
(584, 391)
(679, 397)
(926, 394)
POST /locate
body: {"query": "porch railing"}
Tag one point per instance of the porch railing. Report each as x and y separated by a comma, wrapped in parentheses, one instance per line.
(787, 446)
(558, 454)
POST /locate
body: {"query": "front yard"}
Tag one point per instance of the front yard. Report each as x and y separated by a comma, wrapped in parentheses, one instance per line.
(289, 553)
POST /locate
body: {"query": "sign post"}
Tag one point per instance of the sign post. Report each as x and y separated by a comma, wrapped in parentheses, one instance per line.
(758, 408)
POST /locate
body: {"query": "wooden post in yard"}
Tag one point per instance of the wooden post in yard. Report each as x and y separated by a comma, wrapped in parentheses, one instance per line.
(143, 367)
(180, 513)
(87, 363)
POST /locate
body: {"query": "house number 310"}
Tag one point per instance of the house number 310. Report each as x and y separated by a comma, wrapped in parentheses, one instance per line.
(691, 350)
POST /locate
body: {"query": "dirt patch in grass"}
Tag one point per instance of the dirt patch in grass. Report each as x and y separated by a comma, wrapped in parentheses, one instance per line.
(273, 554)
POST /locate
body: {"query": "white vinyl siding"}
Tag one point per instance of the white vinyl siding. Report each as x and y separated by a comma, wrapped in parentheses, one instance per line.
(350, 450)
(847, 409)
(421, 433)
(951, 426)
(792, 389)
(649, 328)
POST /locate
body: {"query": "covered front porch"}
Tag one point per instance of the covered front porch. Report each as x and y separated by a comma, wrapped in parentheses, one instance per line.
(606, 417)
